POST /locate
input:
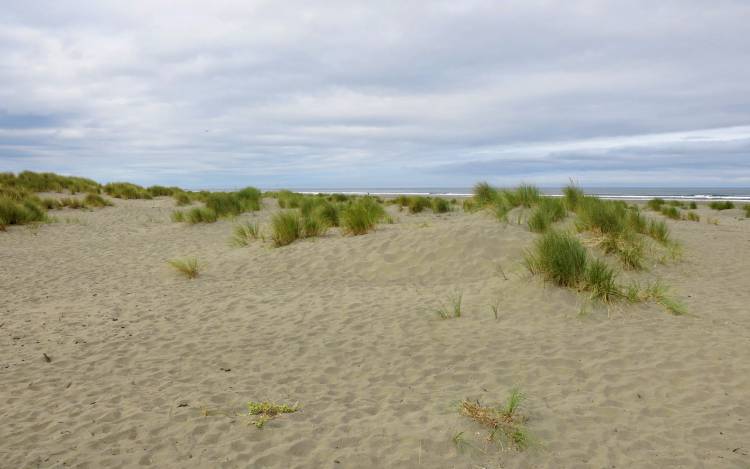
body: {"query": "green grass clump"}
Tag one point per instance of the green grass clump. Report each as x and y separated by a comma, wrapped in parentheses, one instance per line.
(313, 226)
(48, 182)
(600, 279)
(328, 212)
(526, 195)
(671, 212)
(602, 216)
(548, 211)
(159, 191)
(453, 308)
(286, 227)
(484, 194)
(692, 216)
(657, 292)
(182, 199)
(655, 204)
(126, 190)
(201, 215)
(659, 231)
(178, 216)
(559, 257)
(72, 202)
(627, 247)
(505, 420)
(746, 208)
(234, 203)
(418, 203)
(244, 233)
(361, 216)
(13, 212)
(572, 196)
(187, 267)
(692, 206)
(268, 411)
(440, 205)
(726, 205)
(96, 200)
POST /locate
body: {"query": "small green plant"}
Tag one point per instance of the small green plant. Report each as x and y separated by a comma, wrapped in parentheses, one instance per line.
(693, 206)
(505, 420)
(692, 216)
(453, 308)
(187, 267)
(657, 292)
(243, 233)
(746, 208)
(177, 216)
(266, 411)
(671, 212)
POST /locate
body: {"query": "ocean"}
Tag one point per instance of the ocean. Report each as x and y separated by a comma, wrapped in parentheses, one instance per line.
(735, 194)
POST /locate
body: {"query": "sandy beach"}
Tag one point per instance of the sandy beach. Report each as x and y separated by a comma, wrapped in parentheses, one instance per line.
(109, 358)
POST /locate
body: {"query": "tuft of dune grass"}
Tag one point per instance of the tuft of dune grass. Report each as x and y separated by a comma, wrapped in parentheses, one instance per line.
(188, 267)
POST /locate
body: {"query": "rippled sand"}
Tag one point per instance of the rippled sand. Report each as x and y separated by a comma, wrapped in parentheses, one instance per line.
(346, 327)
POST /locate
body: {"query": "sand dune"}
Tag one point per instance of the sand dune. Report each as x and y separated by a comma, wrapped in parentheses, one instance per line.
(345, 326)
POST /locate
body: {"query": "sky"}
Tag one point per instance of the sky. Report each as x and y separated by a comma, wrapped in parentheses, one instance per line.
(378, 94)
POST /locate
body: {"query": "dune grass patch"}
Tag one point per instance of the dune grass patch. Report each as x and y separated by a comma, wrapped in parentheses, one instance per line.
(96, 200)
(440, 205)
(725, 205)
(286, 227)
(181, 199)
(361, 216)
(267, 411)
(200, 215)
(692, 216)
(48, 182)
(504, 421)
(15, 212)
(655, 204)
(244, 233)
(671, 212)
(126, 190)
(746, 208)
(188, 266)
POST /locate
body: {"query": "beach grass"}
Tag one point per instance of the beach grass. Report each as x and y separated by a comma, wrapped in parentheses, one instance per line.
(501, 421)
(559, 257)
(200, 215)
(692, 216)
(451, 309)
(188, 266)
(671, 212)
(286, 227)
(726, 205)
(95, 200)
(440, 205)
(600, 279)
(244, 233)
(182, 199)
(361, 216)
(126, 190)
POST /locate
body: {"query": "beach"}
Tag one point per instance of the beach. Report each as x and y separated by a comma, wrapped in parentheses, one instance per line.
(110, 358)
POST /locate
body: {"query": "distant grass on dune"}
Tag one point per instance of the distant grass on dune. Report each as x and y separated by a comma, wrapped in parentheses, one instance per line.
(726, 205)
(126, 190)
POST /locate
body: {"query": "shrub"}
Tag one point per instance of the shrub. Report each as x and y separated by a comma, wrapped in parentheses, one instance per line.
(726, 205)
(440, 205)
(96, 200)
(559, 257)
(286, 227)
(361, 216)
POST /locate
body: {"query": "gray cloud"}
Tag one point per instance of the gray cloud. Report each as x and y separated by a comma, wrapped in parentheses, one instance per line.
(393, 93)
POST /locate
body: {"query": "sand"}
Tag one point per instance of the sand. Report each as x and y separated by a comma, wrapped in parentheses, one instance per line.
(346, 327)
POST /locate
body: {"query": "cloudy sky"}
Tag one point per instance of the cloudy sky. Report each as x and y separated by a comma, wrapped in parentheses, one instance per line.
(372, 94)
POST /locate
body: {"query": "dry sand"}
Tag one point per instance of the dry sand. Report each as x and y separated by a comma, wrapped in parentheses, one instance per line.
(346, 327)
